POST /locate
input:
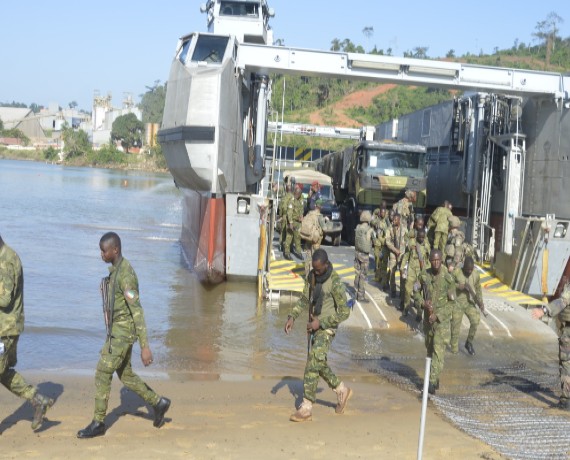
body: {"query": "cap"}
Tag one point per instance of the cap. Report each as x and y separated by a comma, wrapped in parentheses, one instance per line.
(316, 182)
(319, 202)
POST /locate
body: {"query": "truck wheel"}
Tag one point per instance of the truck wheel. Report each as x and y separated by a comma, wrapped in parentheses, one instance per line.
(336, 240)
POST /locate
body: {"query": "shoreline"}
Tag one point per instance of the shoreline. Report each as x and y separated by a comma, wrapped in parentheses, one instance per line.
(233, 420)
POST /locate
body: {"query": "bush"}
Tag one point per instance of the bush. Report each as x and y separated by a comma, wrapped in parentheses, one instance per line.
(50, 153)
(106, 156)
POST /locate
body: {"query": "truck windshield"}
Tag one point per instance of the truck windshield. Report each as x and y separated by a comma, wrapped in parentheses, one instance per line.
(326, 191)
(210, 48)
(394, 163)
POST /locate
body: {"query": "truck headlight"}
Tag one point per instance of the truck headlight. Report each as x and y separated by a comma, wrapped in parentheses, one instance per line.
(335, 215)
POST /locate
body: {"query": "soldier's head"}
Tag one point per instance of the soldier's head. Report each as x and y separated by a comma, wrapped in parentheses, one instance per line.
(376, 212)
(468, 266)
(419, 223)
(110, 246)
(435, 257)
(315, 186)
(320, 261)
(421, 236)
(298, 191)
(410, 195)
(449, 206)
(383, 212)
(383, 204)
(396, 219)
(365, 216)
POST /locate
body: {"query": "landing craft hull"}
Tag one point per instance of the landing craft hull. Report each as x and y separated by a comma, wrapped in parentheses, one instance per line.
(203, 235)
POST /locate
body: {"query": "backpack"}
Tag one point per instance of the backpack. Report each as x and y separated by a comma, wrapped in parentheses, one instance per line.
(310, 228)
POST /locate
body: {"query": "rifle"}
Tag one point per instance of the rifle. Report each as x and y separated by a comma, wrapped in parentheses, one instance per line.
(477, 300)
(311, 309)
(107, 308)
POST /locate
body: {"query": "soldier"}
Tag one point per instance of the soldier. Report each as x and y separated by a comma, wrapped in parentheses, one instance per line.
(438, 226)
(325, 296)
(468, 283)
(283, 206)
(313, 196)
(418, 225)
(405, 208)
(126, 325)
(436, 296)
(11, 326)
(293, 223)
(380, 225)
(396, 243)
(309, 245)
(363, 236)
(560, 309)
(415, 260)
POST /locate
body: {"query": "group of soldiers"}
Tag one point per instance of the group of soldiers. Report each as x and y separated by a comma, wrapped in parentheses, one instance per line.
(436, 267)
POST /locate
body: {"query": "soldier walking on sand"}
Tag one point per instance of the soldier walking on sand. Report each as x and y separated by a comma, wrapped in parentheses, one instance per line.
(11, 326)
(125, 323)
(396, 243)
(294, 213)
(380, 224)
(438, 226)
(416, 259)
(324, 296)
(363, 237)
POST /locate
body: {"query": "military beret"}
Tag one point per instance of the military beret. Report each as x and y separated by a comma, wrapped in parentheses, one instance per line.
(319, 202)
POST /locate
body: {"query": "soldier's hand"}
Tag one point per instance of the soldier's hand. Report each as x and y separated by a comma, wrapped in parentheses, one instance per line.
(146, 356)
(289, 324)
(314, 324)
(432, 318)
(537, 313)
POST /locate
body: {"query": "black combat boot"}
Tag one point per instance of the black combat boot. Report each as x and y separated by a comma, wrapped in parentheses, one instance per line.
(431, 388)
(469, 348)
(41, 404)
(564, 404)
(92, 430)
(159, 410)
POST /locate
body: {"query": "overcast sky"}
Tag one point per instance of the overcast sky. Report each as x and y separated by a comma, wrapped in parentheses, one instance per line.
(65, 51)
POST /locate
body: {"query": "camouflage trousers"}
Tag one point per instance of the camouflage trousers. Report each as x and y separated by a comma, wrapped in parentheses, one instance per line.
(564, 364)
(118, 360)
(472, 313)
(393, 266)
(317, 365)
(439, 241)
(409, 290)
(381, 265)
(361, 262)
(308, 251)
(295, 237)
(436, 339)
(11, 379)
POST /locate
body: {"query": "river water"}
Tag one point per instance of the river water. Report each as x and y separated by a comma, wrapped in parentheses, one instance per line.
(54, 216)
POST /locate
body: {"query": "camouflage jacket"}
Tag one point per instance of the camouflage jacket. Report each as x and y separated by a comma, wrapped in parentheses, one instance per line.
(295, 208)
(560, 309)
(457, 248)
(380, 227)
(284, 203)
(397, 238)
(463, 295)
(128, 316)
(334, 311)
(411, 259)
(11, 293)
(405, 208)
(441, 292)
(438, 220)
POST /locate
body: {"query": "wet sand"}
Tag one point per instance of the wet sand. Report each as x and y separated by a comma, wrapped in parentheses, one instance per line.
(214, 419)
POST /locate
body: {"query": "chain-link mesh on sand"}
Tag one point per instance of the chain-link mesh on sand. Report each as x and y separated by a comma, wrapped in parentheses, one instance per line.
(509, 407)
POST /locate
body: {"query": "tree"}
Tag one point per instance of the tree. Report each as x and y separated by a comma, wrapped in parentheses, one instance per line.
(547, 31)
(75, 142)
(450, 53)
(152, 103)
(36, 107)
(128, 130)
(420, 52)
(72, 104)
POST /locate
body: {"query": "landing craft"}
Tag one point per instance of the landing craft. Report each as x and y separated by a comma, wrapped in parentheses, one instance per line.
(214, 128)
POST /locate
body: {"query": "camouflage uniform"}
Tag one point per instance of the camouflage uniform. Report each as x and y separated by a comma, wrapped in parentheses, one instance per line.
(438, 227)
(560, 308)
(457, 249)
(308, 246)
(396, 240)
(465, 304)
(128, 327)
(295, 207)
(334, 312)
(283, 206)
(441, 288)
(362, 246)
(12, 321)
(380, 227)
(412, 269)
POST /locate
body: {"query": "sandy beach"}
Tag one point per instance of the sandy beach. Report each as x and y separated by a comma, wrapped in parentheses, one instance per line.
(213, 419)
